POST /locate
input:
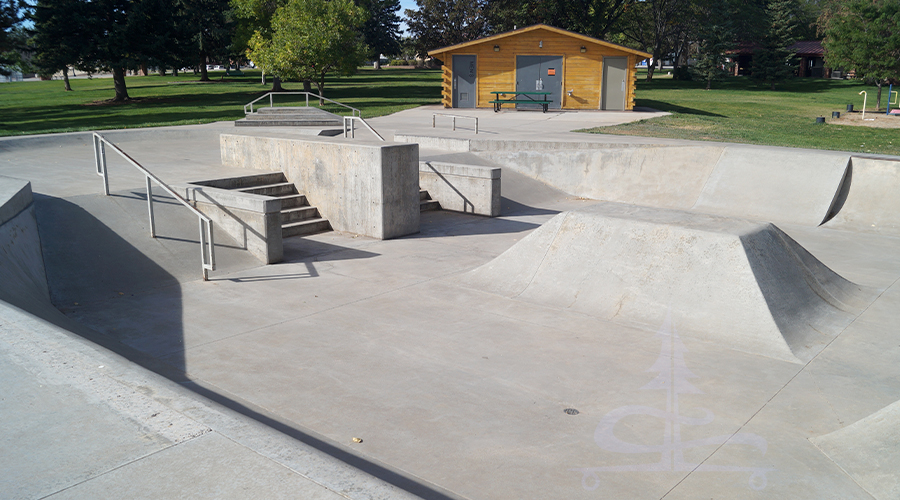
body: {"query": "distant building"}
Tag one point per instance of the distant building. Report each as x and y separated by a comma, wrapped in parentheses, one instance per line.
(576, 71)
(810, 53)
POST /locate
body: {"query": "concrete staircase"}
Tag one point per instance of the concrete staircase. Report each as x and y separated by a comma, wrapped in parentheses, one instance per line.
(290, 117)
(298, 218)
(426, 204)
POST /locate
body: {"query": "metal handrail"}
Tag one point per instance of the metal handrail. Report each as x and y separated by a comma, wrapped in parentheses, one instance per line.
(435, 115)
(355, 111)
(350, 128)
(207, 246)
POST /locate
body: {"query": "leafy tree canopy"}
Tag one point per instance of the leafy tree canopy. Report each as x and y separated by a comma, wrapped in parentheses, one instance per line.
(773, 61)
(381, 31)
(863, 35)
(593, 18)
(439, 23)
(9, 19)
(311, 38)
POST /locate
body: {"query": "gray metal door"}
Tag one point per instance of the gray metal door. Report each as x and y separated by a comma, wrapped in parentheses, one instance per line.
(540, 73)
(615, 72)
(464, 71)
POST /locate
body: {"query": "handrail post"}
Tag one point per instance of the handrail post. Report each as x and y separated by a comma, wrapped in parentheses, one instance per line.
(270, 101)
(454, 123)
(104, 168)
(433, 120)
(150, 207)
(307, 99)
(476, 125)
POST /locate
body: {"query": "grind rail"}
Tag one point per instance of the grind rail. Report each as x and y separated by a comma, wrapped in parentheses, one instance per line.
(271, 95)
(207, 247)
(350, 127)
(454, 117)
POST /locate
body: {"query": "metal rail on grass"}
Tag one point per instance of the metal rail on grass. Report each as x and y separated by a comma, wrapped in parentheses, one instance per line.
(435, 115)
(207, 246)
(350, 127)
(270, 95)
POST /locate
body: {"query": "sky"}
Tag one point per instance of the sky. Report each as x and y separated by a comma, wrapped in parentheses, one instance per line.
(405, 4)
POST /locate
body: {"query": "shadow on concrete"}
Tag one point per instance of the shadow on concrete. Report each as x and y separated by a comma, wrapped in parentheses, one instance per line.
(98, 279)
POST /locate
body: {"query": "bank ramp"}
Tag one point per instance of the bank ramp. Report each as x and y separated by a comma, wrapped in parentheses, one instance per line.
(742, 284)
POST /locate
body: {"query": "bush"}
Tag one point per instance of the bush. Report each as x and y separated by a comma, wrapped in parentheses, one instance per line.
(682, 73)
(399, 62)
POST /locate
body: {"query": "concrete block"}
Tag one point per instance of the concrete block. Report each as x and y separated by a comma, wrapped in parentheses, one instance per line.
(439, 143)
(462, 188)
(253, 220)
(23, 278)
(361, 188)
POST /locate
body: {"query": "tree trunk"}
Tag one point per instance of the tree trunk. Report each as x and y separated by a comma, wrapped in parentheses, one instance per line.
(263, 78)
(144, 71)
(320, 86)
(276, 85)
(174, 71)
(709, 82)
(878, 101)
(119, 84)
(204, 76)
(307, 86)
(66, 78)
(162, 71)
(378, 63)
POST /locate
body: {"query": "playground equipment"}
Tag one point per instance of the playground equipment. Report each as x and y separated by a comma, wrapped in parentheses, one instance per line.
(896, 95)
(865, 97)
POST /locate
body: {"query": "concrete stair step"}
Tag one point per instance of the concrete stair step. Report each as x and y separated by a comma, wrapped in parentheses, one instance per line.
(277, 189)
(294, 110)
(305, 227)
(287, 123)
(423, 195)
(428, 205)
(298, 213)
(293, 201)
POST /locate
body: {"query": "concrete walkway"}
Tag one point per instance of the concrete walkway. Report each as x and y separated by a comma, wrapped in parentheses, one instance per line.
(151, 383)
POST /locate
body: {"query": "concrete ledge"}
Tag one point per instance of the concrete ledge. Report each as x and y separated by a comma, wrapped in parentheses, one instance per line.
(462, 188)
(442, 143)
(15, 195)
(253, 220)
(23, 278)
(361, 188)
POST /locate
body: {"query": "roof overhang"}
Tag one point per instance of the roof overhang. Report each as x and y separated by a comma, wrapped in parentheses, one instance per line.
(583, 38)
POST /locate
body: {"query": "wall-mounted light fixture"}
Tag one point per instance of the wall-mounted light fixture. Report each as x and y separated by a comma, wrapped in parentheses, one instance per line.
(583, 49)
(496, 48)
(541, 44)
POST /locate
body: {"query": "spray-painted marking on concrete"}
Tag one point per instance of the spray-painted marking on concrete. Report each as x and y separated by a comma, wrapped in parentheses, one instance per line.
(673, 378)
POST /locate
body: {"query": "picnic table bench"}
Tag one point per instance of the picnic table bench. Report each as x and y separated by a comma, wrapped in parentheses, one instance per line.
(528, 99)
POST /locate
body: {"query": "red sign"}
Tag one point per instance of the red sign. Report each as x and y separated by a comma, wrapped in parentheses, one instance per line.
(551, 71)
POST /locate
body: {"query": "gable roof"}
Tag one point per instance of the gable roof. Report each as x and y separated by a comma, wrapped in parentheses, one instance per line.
(808, 48)
(534, 27)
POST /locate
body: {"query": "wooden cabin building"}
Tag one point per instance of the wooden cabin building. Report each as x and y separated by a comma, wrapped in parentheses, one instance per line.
(576, 71)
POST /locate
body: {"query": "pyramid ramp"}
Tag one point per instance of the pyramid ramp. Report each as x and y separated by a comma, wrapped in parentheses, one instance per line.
(869, 451)
(737, 283)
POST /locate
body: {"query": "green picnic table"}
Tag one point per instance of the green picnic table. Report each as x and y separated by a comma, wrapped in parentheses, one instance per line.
(528, 99)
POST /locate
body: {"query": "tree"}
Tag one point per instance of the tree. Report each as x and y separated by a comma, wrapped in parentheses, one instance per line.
(311, 38)
(863, 35)
(9, 20)
(439, 23)
(59, 36)
(122, 35)
(593, 18)
(655, 25)
(255, 21)
(381, 31)
(773, 61)
(716, 34)
(205, 31)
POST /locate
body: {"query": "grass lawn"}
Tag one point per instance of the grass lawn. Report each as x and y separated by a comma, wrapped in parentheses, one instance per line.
(737, 110)
(44, 107)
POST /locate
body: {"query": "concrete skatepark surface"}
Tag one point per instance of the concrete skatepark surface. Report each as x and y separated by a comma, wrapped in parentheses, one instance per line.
(143, 381)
